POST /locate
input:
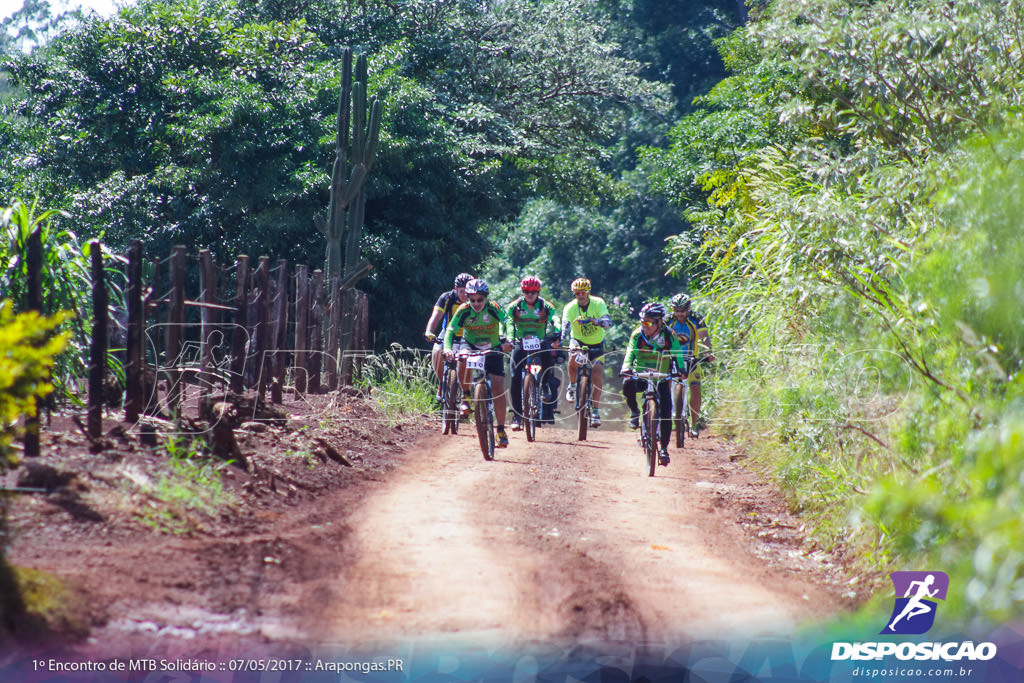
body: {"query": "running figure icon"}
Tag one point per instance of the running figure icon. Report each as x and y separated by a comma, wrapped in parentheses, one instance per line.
(914, 613)
(915, 606)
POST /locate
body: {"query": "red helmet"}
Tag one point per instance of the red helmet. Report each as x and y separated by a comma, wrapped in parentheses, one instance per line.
(530, 284)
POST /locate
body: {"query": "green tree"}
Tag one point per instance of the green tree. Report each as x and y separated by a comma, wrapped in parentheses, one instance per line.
(220, 134)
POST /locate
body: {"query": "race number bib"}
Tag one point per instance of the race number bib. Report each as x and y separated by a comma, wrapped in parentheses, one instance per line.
(475, 362)
(581, 358)
(531, 343)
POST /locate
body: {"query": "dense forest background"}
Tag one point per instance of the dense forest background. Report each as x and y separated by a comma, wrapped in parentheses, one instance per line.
(838, 182)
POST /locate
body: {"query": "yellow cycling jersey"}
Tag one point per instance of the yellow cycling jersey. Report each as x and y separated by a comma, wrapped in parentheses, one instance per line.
(586, 333)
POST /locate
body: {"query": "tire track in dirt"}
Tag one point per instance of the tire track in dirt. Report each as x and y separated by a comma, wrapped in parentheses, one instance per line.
(558, 544)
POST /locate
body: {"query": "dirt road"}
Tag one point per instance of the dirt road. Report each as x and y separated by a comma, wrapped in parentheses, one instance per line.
(570, 544)
(557, 544)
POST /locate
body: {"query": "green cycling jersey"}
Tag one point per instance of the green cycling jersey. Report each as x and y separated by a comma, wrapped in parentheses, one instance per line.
(524, 320)
(480, 330)
(657, 354)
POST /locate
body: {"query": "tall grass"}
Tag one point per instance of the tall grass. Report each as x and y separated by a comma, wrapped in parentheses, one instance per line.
(403, 383)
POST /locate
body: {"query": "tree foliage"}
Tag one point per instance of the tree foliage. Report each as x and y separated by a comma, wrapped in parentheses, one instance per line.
(847, 181)
(208, 122)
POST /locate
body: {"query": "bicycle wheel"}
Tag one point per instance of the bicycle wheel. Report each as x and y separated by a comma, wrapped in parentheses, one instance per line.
(452, 398)
(482, 416)
(531, 406)
(582, 405)
(679, 408)
(651, 442)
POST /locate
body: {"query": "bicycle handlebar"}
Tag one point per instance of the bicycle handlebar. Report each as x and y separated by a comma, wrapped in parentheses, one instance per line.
(650, 374)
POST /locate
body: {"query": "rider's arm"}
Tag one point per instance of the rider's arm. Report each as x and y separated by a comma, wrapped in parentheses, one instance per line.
(454, 327)
(630, 357)
(552, 321)
(605, 319)
(567, 322)
(435, 318)
(508, 327)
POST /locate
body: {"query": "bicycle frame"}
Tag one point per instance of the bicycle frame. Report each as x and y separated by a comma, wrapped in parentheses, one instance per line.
(531, 377)
(483, 400)
(650, 418)
(451, 396)
(681, 401)
(680, 410)
(584, 387)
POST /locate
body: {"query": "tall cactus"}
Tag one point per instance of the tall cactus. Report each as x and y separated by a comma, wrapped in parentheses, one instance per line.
(355, 155)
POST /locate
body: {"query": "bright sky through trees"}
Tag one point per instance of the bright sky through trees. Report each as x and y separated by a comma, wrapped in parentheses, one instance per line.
(104, 7)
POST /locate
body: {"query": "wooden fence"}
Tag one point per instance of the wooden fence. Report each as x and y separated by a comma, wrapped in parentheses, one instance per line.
(259, 327)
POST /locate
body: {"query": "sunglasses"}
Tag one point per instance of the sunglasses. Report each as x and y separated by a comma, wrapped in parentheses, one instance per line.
(477, 299)
(650, 321)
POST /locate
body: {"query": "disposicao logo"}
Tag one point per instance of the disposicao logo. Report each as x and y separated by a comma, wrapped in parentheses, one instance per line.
(913, 613)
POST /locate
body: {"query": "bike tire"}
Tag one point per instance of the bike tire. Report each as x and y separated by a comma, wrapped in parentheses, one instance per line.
(582, 406)
(679, 422)
(531, 406)
(651, 442)
(482, 416)
(452, 398)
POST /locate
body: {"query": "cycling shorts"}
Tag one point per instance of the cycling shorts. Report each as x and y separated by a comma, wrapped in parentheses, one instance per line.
(595, 352)
(694, 376)
(494, 362)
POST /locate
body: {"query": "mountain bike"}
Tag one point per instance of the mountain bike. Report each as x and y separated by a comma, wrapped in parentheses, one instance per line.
(650, 422)
(483, 401)
(533, 385)
(584, 407)
(451, 397)
(680, 405)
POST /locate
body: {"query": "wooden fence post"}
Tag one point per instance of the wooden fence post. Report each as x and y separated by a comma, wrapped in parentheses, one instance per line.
(316, 330)
(240, 331)
(175, 330)
(98, 348)
(34, 263)
(279, 310)
(299, 369)
(209, 319)
(262, 333)
(133, 371)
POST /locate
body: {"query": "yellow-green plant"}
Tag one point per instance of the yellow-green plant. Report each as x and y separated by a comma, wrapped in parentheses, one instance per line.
(30, 345)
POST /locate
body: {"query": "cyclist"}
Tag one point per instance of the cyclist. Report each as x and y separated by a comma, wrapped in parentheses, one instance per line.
(652, 346)
(443, 310)
(479, 322)
(585, 321)
(693, 334)
(529, 315)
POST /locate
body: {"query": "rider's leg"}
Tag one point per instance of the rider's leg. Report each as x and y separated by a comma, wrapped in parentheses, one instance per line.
(570, 390)
(665, 412)
(630, 388)
(500, 404)
(437, 361)
(694, 378)
(465, 379)
(494, 366)
(516, 388)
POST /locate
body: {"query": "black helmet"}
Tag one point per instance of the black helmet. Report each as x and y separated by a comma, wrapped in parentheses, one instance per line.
(653, 310)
